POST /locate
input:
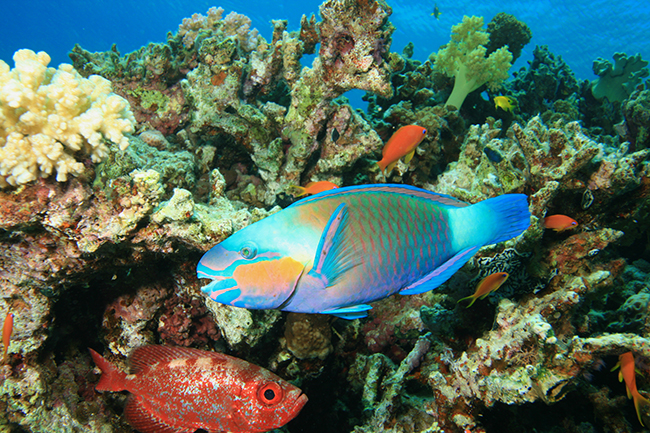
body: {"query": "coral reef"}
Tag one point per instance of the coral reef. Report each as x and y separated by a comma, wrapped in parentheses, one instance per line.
(617, 82)
(226, 121)
(51, 117)
(507, 31)
(464, 58)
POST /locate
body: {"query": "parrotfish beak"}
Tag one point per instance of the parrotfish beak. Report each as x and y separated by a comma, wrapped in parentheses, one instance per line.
(264, 282)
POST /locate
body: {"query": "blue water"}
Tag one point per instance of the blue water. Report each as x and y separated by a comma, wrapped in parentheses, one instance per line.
(579, 31)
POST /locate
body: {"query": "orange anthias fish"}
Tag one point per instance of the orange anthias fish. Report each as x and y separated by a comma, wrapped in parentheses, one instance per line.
(487, 285)
(402, 143)
(7, 329)
(560, 223)
(627, 373)
(180, 390)
(311, 188)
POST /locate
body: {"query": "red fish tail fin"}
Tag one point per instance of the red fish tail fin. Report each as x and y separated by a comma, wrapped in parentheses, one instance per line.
(639, 401)
(112, 379)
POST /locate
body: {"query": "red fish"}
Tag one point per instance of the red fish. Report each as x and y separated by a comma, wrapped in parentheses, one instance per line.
(312, 188)
(627, 373)
(180, 390)
(487, 285)
(7, 329)
(560, 223)
(403, 142)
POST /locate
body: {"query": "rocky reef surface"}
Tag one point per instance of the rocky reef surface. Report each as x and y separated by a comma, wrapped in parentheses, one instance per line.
(224, 122)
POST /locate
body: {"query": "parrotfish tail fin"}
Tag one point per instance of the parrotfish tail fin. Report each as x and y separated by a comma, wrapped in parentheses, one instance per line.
(146, 422)
(112, 379)
(639, 401)
(508, 214)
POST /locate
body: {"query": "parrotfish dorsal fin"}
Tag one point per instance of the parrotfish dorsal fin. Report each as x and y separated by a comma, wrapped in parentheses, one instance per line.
(442, 199)
(333, 255)
(145, 356)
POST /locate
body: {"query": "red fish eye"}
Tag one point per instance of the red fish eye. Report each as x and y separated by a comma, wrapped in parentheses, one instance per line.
(270, 393)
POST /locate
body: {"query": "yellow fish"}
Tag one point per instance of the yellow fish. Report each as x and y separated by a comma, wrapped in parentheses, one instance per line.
(436, 11)
(506, 103)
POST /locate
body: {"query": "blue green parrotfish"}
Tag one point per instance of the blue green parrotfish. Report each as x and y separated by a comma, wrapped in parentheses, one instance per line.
(336, 251)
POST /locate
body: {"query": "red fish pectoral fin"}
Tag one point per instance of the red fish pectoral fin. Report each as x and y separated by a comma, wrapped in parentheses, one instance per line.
(147, 422)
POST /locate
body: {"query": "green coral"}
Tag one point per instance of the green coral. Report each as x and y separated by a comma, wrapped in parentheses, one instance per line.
(617, 82)
(464, 58)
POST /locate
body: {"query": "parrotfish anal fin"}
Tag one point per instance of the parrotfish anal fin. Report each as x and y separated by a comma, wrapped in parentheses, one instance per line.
(334, 255)
(440, 274)
(409, 156)
(146, 422)
(145, 356)
(349, 313)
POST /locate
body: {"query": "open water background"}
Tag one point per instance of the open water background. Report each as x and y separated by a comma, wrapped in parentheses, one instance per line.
(580, 31)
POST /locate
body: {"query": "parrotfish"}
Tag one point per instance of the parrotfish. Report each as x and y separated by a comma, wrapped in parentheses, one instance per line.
(560, 223)
(402, 143)
(180, 390)
(7, 329)
(487, 285)
(627, 373)
(334, 252)
(312, 188)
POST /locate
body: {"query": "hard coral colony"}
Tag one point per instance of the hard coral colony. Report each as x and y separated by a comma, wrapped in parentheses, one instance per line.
(192, 147)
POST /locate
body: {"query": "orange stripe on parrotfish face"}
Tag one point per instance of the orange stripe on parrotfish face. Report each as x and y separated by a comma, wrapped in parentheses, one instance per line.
(402, 143)
(253, 280)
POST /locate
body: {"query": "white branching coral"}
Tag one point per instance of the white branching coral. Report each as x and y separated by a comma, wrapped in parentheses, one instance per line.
(50, 117)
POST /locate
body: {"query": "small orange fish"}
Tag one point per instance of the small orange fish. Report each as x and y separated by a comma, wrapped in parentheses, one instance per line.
(487, 285)
(311, 188)
(402, 143)
(627, 373)
(7, 329)
(560, 223)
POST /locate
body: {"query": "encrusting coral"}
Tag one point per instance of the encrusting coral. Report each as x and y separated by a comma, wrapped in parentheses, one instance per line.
(464, 58)
(50, 117)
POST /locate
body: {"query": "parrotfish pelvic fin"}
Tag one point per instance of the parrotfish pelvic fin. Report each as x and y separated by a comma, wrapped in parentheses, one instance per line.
(441, 274)
(333, 256)
(350, 313)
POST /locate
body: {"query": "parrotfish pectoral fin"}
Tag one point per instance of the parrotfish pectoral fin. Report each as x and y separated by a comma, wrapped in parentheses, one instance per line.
(334, 254)
(441, 274)
(351, 312)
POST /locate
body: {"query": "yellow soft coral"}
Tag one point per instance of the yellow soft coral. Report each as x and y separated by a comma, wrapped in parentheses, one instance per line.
(48, 116)
(464, 59)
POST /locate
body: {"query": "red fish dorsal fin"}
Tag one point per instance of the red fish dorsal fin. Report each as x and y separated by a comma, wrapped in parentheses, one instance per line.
(146, 356)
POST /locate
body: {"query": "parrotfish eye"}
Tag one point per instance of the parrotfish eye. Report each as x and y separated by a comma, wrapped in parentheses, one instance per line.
(270, 393)
(248, 251)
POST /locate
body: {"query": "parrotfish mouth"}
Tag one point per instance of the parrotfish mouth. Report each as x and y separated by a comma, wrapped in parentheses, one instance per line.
(268, 281)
